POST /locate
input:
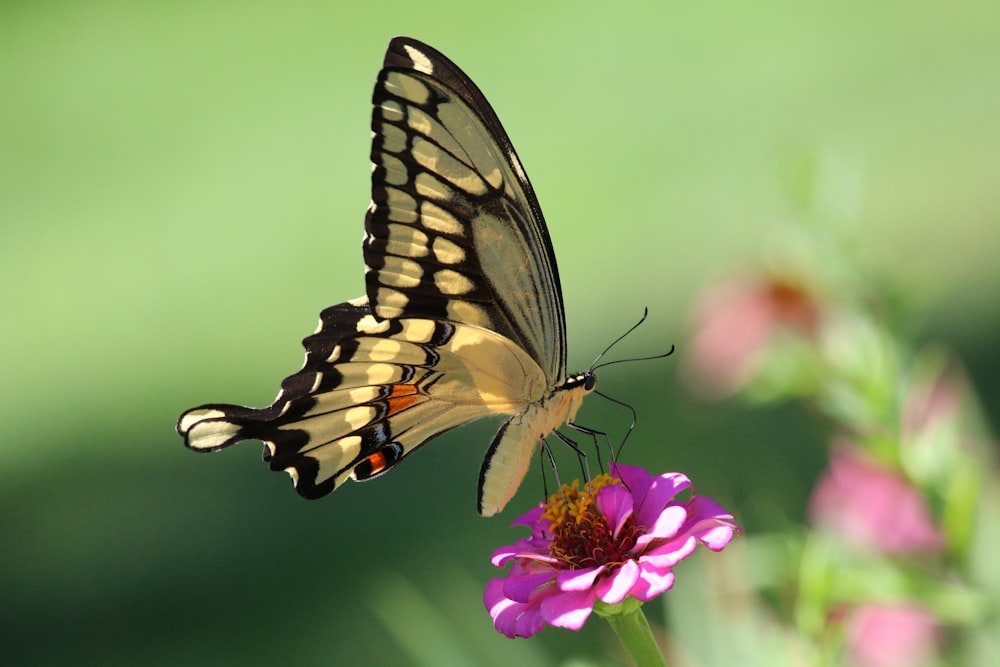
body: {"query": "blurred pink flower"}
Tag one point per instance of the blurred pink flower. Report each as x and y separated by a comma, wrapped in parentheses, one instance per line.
(734, 321)
(892, 636)
(872, 506)
(620, 536)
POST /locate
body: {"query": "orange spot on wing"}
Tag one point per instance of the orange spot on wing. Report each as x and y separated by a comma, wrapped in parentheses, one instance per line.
(377, 462)
(401, 397)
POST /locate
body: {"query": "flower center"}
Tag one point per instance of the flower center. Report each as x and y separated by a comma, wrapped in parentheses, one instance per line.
(581, 536)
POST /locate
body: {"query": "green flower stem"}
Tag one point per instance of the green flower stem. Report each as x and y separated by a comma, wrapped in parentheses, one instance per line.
(632, 628)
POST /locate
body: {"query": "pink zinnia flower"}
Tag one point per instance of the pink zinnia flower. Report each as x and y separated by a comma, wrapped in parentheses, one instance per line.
(733, 324)
(881, 635)
(619, 537)
(872, 506)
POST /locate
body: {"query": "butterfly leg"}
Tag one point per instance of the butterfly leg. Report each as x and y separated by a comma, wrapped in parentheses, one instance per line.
(580, 454)
(546, 451)
(595, 435)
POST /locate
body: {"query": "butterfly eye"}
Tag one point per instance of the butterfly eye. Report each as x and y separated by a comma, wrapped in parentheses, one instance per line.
(589, 381)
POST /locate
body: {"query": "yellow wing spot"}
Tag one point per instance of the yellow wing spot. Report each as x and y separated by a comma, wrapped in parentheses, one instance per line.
(428, 186)
(399, 272)
(463, 311)
(402, 207)
(418, 331)
(494, 178)
(389, 312)
(392, 111)
(333, 457)
(363, 394)
(458, 174)
(191, 418)
(420, 122)
(421, 62)
(452, 282)
(407, 241)
(370, 325)
(439, 220)
(384, 349)
(393, 139)
(407, 87)
(207, 434)
(380, 373)
(395, 170)
(334, 354)
(359, 416)
(447, 252)
(390, 298)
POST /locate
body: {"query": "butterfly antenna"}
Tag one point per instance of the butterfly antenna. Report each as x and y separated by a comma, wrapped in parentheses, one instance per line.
(662, 355)
(645, 313)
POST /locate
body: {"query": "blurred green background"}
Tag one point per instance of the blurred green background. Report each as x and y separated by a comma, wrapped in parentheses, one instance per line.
(182, 190)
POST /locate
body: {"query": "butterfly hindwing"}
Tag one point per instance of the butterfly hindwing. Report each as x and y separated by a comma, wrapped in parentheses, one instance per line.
(371, 392)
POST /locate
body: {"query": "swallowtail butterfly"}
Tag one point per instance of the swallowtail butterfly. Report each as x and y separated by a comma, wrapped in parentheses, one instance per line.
(463, 316)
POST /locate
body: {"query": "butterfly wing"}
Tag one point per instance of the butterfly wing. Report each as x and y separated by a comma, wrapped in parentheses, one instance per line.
(464, 314)
(454, 230)
(371, 392)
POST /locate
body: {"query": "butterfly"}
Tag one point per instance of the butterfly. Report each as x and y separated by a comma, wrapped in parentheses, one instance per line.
(463, 313)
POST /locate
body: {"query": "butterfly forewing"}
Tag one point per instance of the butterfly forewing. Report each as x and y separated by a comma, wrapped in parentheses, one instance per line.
(447, 191)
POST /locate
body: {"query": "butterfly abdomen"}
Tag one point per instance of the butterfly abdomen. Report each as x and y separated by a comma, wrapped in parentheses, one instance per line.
(510, 454)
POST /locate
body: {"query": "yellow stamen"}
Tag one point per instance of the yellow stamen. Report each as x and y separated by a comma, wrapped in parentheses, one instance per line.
(572, 502)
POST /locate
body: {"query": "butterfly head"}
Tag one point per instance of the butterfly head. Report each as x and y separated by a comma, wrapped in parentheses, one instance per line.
(587, 380)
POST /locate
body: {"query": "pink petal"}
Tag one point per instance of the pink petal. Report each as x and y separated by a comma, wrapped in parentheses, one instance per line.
(615, 503)
(636, 480)
(652, 581)
(662, 491)
(614, 588)
(568, 610)
(502, 555)
(717, 538)
(518, 620)
(493, 595)
(521, 588)
(669, 554)
(513, 619)
(523, 549)
(666, 525)
(529, 518)
(578, 580)
(701, 507)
